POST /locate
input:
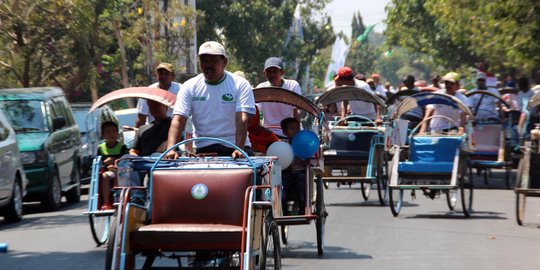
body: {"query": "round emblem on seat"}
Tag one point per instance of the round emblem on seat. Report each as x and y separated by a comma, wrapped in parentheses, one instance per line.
(351, 137)
(199, 191)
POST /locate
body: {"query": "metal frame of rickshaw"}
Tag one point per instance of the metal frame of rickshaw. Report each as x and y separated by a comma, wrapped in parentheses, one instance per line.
(101, 220)
(489, 154)
(315, 209)
(408, 170)
(527, 184)
(356, 167)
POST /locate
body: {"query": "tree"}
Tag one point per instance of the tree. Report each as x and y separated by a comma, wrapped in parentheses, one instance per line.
(503, 33)
(412, 25)
(252, 31)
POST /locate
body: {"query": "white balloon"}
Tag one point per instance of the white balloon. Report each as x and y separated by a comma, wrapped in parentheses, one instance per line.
(283, 151)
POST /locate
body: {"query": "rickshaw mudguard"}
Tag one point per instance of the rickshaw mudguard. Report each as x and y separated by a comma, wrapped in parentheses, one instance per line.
(280, 95)
(164, 97)
(347, 93)
(426, 98)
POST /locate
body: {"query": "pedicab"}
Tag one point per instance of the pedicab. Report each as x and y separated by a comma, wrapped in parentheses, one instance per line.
(355, 150)
(509, 94)
(314, 208)
(202, 212)
(528, 173)
(435, 162)
(100, 220)
(492, 148)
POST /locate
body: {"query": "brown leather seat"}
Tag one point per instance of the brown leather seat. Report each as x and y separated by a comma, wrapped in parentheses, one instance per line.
(185, 217)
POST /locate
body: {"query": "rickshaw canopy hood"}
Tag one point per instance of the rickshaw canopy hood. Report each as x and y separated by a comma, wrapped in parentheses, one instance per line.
(164, 97)
(280, 95)
(347, 93)
(426, 98)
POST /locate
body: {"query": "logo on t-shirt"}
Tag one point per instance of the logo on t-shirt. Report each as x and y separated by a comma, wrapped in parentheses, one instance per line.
(197, 98)
(227, 97)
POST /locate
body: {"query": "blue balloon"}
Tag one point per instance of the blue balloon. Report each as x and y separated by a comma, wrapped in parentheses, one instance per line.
(305, 144)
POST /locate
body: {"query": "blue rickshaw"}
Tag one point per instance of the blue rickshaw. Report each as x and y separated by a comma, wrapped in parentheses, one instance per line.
(434, 162)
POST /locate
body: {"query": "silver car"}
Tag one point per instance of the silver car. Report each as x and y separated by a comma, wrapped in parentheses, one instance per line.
(12, 177)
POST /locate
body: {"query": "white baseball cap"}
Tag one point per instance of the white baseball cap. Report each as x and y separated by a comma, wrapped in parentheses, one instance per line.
(212, 48)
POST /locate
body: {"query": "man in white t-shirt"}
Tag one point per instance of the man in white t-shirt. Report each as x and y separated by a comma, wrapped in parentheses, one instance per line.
(345, 76)
(219, 103)
(451, 86)
(273, 112)
(483, 106)
(165, 77)
(379, 88)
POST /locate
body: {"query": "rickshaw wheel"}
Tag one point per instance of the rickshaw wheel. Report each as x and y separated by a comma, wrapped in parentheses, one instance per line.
(382, 187)
(508, 178)
(284, 229)
(110, 245)
(366, 189)
(271, 251)
(451, 199)
(466, 187)
(320, 211)
(99, 225)
(520, 208)
(395, 205)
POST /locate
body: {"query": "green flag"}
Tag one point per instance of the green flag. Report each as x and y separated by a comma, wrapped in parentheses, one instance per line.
(363, 36)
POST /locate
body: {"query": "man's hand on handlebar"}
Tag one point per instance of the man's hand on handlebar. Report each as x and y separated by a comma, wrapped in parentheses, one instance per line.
(237, 154)
(172, 155)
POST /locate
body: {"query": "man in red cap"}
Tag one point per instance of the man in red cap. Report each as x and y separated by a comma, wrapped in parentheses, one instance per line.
(345, 76)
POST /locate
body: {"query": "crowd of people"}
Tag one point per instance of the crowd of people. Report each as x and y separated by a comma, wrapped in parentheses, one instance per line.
(221, 104)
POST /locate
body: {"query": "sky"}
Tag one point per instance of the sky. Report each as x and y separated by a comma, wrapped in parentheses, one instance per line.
(342, 12)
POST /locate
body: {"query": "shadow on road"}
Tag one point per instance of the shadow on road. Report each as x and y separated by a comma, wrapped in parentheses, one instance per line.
(35, 217)
(368, 203)
(53, 260)
(308, 250)
(459, 215)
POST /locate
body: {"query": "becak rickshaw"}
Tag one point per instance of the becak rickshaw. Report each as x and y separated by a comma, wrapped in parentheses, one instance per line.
(435, 162)
(492, 148)
(314, 208)
(528, 173)
(203, 212)
(355, 150)
(100, 219)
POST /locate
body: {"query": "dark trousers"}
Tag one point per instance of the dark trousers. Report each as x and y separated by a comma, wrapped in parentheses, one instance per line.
(222, 150)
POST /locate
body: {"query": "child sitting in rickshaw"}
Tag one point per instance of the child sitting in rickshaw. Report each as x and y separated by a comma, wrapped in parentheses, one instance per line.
(260, 137)
(294, 177)
(110, 150)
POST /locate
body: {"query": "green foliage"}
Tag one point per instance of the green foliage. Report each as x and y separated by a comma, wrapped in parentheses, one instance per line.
(255, 30)
(455, 33)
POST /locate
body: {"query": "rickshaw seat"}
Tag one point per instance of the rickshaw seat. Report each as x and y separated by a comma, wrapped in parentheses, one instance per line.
(431, 154)
(488, 139)
(349, 146)
(183, 221)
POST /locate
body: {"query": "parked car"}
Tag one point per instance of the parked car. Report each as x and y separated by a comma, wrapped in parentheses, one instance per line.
(48, 138)
(12, 177)
(127, 118)
(90, 128)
